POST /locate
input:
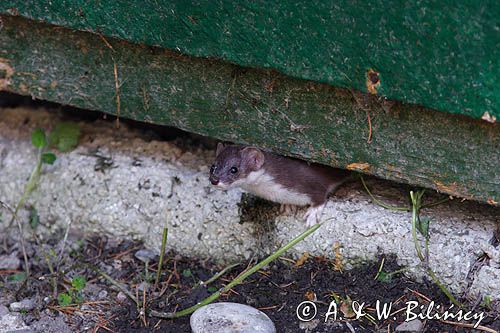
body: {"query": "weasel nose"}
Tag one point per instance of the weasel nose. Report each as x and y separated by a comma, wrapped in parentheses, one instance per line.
(214, 180)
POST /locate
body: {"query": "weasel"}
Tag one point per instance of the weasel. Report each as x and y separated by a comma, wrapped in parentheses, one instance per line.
(288, 181)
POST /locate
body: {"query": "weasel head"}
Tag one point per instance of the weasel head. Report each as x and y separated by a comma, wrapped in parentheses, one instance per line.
(233, 164)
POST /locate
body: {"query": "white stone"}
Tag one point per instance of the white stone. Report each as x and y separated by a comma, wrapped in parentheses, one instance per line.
(10, 262)
(26, 304)
(3, 310)
(11, 323)
(121, 297)
(413, 326)
(225, 317)
(145, 255)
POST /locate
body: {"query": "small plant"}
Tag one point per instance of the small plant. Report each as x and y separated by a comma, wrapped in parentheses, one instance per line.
(386, 277)
(39, 141)
(17, 277)
(74, 294)
(422, 226)
(486, 303)
(34, 218)
(64, 137)
(187, 273)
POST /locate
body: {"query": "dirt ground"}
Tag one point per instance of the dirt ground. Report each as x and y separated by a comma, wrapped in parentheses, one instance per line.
(277, 290)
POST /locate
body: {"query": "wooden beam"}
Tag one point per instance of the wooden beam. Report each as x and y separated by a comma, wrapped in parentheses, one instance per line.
(344, 128)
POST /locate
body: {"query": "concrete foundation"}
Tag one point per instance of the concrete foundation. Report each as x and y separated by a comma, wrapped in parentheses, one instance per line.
(151, 184)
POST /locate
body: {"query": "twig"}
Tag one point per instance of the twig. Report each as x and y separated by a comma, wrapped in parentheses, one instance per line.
(162, 254)
(116, 284)
(21, 235)
(416, 199)
(380, 203)
(369, 127)
(117, 88)
(52, 273)
(117, 85)
(30, 186)
(380, 269)
(218, 275)
(63, 246)
(479, 327)
(432, 204)
(239, 279)
(107, 43)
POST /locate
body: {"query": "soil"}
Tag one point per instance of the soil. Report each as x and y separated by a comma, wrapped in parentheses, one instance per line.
(277, 290)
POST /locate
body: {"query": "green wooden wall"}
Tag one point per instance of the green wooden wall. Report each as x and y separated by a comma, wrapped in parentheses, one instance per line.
(458, 155)
(443, 55)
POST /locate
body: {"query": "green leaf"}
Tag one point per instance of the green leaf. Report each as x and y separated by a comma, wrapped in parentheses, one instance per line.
(79, 298)
(38, 138)
(486, 303)
(65, 136)
(64, 299)
(212, 289)
(48, 158)
(187, 273)
(423, 226)
(17, 277)
(384, 277)
(78, 283)
(34, 218)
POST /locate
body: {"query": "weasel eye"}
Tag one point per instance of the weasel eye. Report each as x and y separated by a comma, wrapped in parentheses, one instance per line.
(212, 168)
(234, 170)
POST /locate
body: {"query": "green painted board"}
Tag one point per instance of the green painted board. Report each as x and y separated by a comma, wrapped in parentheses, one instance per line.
(453, 154)
(443, 55)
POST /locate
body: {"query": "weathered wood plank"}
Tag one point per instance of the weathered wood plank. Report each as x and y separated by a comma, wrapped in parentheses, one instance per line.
(439, 54)
(453, 154)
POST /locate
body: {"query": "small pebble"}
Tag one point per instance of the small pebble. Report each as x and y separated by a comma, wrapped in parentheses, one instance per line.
(414, 325)
(225, 317)
(145, 255)
(26, 304)
(143, 286)
(121, 297)
(102, 294)
(3, 310)
(310, 326)
(10, 262)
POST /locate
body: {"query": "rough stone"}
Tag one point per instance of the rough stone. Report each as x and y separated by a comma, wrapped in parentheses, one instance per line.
(414, 326)
(121, 297)
(3, 310)
(487, 282)
(12, 322)
(309, 326)
(145, 255)
(26, 304)
(10, 261)
(169, 187)
(51, 324)
(102, 294)
(225, 317)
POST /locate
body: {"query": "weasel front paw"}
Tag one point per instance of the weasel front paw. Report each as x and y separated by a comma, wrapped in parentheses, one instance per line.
(313, 215)
(288, 209)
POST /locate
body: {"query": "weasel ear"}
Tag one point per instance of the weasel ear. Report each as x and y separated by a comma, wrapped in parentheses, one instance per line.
(254, 157)
(220, 147)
